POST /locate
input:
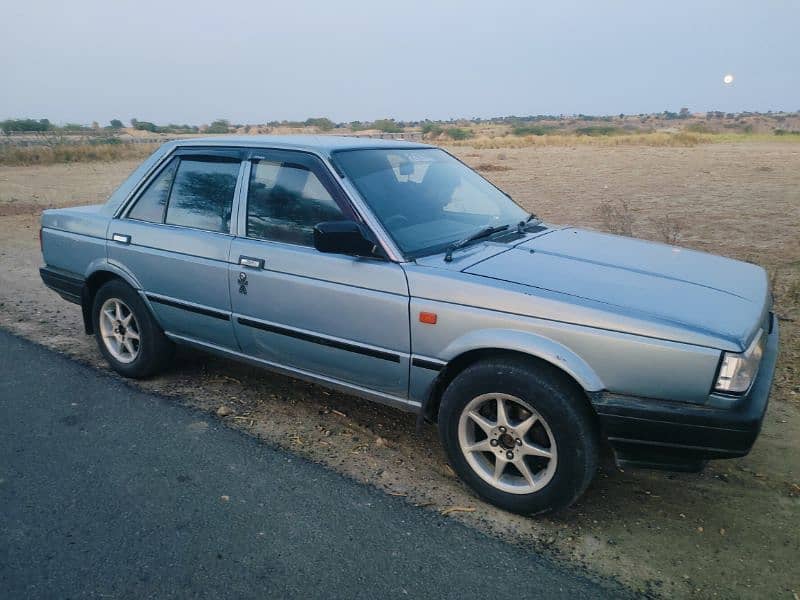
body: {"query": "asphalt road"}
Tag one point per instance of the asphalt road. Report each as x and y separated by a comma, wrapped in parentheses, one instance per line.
(108, 492)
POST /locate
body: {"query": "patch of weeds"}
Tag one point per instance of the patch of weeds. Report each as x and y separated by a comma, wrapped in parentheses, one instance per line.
(669, 229)
(617, 217)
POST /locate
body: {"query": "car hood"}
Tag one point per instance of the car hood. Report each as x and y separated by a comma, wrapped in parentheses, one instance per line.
(693, 290)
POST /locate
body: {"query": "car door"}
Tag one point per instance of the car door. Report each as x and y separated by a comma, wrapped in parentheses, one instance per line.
(175, 239)
(338, 317)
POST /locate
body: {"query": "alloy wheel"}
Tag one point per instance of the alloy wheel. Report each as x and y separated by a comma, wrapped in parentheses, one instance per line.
(119, 330)
(507, 443)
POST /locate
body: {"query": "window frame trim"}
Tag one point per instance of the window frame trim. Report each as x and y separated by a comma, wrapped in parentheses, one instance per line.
(317, 165)
(143, 189)
(196, 153)
(343, 185)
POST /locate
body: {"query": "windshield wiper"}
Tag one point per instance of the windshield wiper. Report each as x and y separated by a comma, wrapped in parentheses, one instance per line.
(522, 225)
(482, 233)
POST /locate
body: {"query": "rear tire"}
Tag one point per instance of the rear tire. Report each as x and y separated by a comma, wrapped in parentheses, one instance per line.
(126, 332)
(519, 434)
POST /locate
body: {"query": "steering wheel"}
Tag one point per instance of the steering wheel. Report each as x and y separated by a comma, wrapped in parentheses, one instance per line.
(397, 221)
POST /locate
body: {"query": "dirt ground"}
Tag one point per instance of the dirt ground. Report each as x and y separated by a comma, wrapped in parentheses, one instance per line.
(732, 531)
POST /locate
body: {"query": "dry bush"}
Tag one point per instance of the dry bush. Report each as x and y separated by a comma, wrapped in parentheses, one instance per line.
(682, 139)
(616, 217)
(69, 153)
(488, 167)
(669, 229)
(785, 285)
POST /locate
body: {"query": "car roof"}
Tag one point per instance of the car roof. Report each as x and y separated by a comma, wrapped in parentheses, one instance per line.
(321, 144)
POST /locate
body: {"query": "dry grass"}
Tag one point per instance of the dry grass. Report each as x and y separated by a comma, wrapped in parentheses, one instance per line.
(681, 139)
(669, 228)
(490, 167)
(72, 153)
(616, 217)
(659, 139)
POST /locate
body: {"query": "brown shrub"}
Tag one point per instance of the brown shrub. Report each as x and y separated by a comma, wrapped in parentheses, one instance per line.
(669, 229)
(69, 153)
(489, 167)
(616, 217)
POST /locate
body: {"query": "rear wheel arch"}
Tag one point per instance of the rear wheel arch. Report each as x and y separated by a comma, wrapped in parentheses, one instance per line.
(94, 281)
(127, 334)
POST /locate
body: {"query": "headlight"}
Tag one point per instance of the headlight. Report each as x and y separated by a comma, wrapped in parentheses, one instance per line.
(737, 371)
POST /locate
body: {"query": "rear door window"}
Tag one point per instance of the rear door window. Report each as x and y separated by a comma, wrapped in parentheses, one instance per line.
(151, 204)
(202, 194)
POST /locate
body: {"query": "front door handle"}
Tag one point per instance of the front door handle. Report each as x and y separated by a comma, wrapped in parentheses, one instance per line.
(253, 263)
(121, 238)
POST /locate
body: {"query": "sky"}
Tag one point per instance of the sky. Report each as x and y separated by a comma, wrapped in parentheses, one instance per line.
(174, 61)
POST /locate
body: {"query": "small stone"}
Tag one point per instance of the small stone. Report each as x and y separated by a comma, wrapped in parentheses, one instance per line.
(225, 498)
(223, 411)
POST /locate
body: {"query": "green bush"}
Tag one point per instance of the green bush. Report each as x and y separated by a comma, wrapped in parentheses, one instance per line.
(431, 129)
(598, 130)
(457, 133)
(73, 127)
(175, 128)
(532, 129)
(25, 125)
(219, 126)
(699, 128)
(387, 126)
(144, 126)
(321, 123)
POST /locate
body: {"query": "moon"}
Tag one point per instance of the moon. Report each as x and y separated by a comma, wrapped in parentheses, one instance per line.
(728, 79)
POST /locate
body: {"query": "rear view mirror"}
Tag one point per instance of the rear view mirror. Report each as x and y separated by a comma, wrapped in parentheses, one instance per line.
(343, 237)
(406, 168)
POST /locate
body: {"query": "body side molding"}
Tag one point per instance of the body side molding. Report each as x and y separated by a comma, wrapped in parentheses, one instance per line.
(329, 382)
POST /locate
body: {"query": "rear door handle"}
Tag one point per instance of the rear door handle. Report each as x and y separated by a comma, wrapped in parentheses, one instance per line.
(121, 238)
(253, 263)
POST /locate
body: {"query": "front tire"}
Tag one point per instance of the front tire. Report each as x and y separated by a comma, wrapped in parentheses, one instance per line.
(519, 434)
(127, 334)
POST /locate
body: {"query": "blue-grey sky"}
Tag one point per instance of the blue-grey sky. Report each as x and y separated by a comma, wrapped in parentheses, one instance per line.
(251, 62)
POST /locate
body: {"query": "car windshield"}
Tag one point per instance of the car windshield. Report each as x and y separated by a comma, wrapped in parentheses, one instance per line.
(425, 198)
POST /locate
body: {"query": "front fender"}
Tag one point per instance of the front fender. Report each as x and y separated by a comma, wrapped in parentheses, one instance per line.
(526, 343)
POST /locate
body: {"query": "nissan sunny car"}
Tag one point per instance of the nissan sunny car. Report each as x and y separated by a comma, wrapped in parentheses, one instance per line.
(391, 271)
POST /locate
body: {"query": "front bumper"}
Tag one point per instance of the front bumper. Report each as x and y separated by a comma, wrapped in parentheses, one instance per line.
(682, 436)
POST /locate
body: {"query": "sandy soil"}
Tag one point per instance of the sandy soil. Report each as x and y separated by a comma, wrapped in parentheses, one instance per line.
(731, 531)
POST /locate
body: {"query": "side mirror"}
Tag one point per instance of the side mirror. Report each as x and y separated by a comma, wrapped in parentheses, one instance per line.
(343, 237)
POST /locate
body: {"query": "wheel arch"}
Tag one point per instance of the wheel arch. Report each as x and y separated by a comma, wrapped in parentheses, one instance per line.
(98, 274)
(539, 350)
